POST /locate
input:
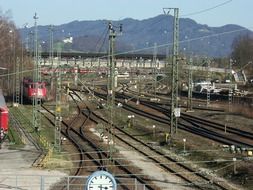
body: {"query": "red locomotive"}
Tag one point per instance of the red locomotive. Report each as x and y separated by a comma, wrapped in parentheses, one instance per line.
(34, 89)
(4, 117)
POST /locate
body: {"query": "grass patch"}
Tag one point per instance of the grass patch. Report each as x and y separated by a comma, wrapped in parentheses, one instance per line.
(59, 161)
(14, 138)
(46, 132)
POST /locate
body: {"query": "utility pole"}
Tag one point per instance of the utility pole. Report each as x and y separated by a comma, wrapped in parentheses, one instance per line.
(111, 85)
(155, 69)
(13, 37)
(23, 44)
(36, 79)
(58, 117)
(174, 80)
(230, 93)
(139, 86)
(51, 45)
(189, 100)
(208, 86)
(17, 75)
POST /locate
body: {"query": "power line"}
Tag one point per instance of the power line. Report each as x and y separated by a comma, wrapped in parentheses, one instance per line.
(104, 35)
(208, 9)
(159, 46)
(197, 12)
(182, 41)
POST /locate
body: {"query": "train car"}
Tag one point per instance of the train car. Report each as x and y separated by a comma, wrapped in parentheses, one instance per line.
(34, 89)
(4, 117)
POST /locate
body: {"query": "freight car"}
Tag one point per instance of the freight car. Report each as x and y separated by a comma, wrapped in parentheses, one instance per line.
(4, 117)
(34, 89)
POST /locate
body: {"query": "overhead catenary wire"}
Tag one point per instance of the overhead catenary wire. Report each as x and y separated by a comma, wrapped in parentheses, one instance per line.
(103, 36)
(161, 45)
(163, 18)
(207, 9)
(103, 42)
(197, 12)
(181, 41)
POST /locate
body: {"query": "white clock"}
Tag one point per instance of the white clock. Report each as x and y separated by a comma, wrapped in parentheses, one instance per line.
(101, 180)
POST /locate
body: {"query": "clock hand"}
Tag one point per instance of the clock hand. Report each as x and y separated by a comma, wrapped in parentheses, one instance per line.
(100, 187)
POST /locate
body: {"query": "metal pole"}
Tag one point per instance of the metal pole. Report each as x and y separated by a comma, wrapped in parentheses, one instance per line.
(234, 160)
(174, 80)
(14, 64)
(208, 86)
(16, 182)
(184, 140)
(189, 100)
(23, 43)
(68, 183)
(21, 74)
(230, 94)
(111, 86)
(51, 46)
(155, 69)
(36, 79)
(17, 90)
(42, 182)
(58, 117)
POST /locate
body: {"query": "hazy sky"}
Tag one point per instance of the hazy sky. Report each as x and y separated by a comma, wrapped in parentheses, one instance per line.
(63, 11)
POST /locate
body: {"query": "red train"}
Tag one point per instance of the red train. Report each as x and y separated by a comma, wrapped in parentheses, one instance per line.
(4, 117)
(34, 89)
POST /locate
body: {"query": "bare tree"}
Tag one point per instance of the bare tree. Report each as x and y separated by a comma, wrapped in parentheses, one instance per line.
(10, 47)
(243, 50)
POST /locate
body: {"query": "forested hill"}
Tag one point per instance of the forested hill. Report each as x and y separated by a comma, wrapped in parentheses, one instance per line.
(142, 35)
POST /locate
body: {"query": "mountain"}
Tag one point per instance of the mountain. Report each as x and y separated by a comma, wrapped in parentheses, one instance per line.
(142, 35)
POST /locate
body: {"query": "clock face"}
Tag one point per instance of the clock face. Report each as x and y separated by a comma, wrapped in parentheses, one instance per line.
(101, 180)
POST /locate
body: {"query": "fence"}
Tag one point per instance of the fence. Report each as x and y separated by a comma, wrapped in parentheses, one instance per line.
(40, 182)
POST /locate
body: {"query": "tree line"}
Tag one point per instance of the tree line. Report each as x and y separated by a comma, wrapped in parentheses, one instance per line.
(12, 52)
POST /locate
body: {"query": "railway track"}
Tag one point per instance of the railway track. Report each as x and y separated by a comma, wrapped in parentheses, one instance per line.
(195, 125)
(85, 148)
(164, 101)
(23, 125)
(169, 164)
(95, 158)
(119, 169)
(217, 129)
